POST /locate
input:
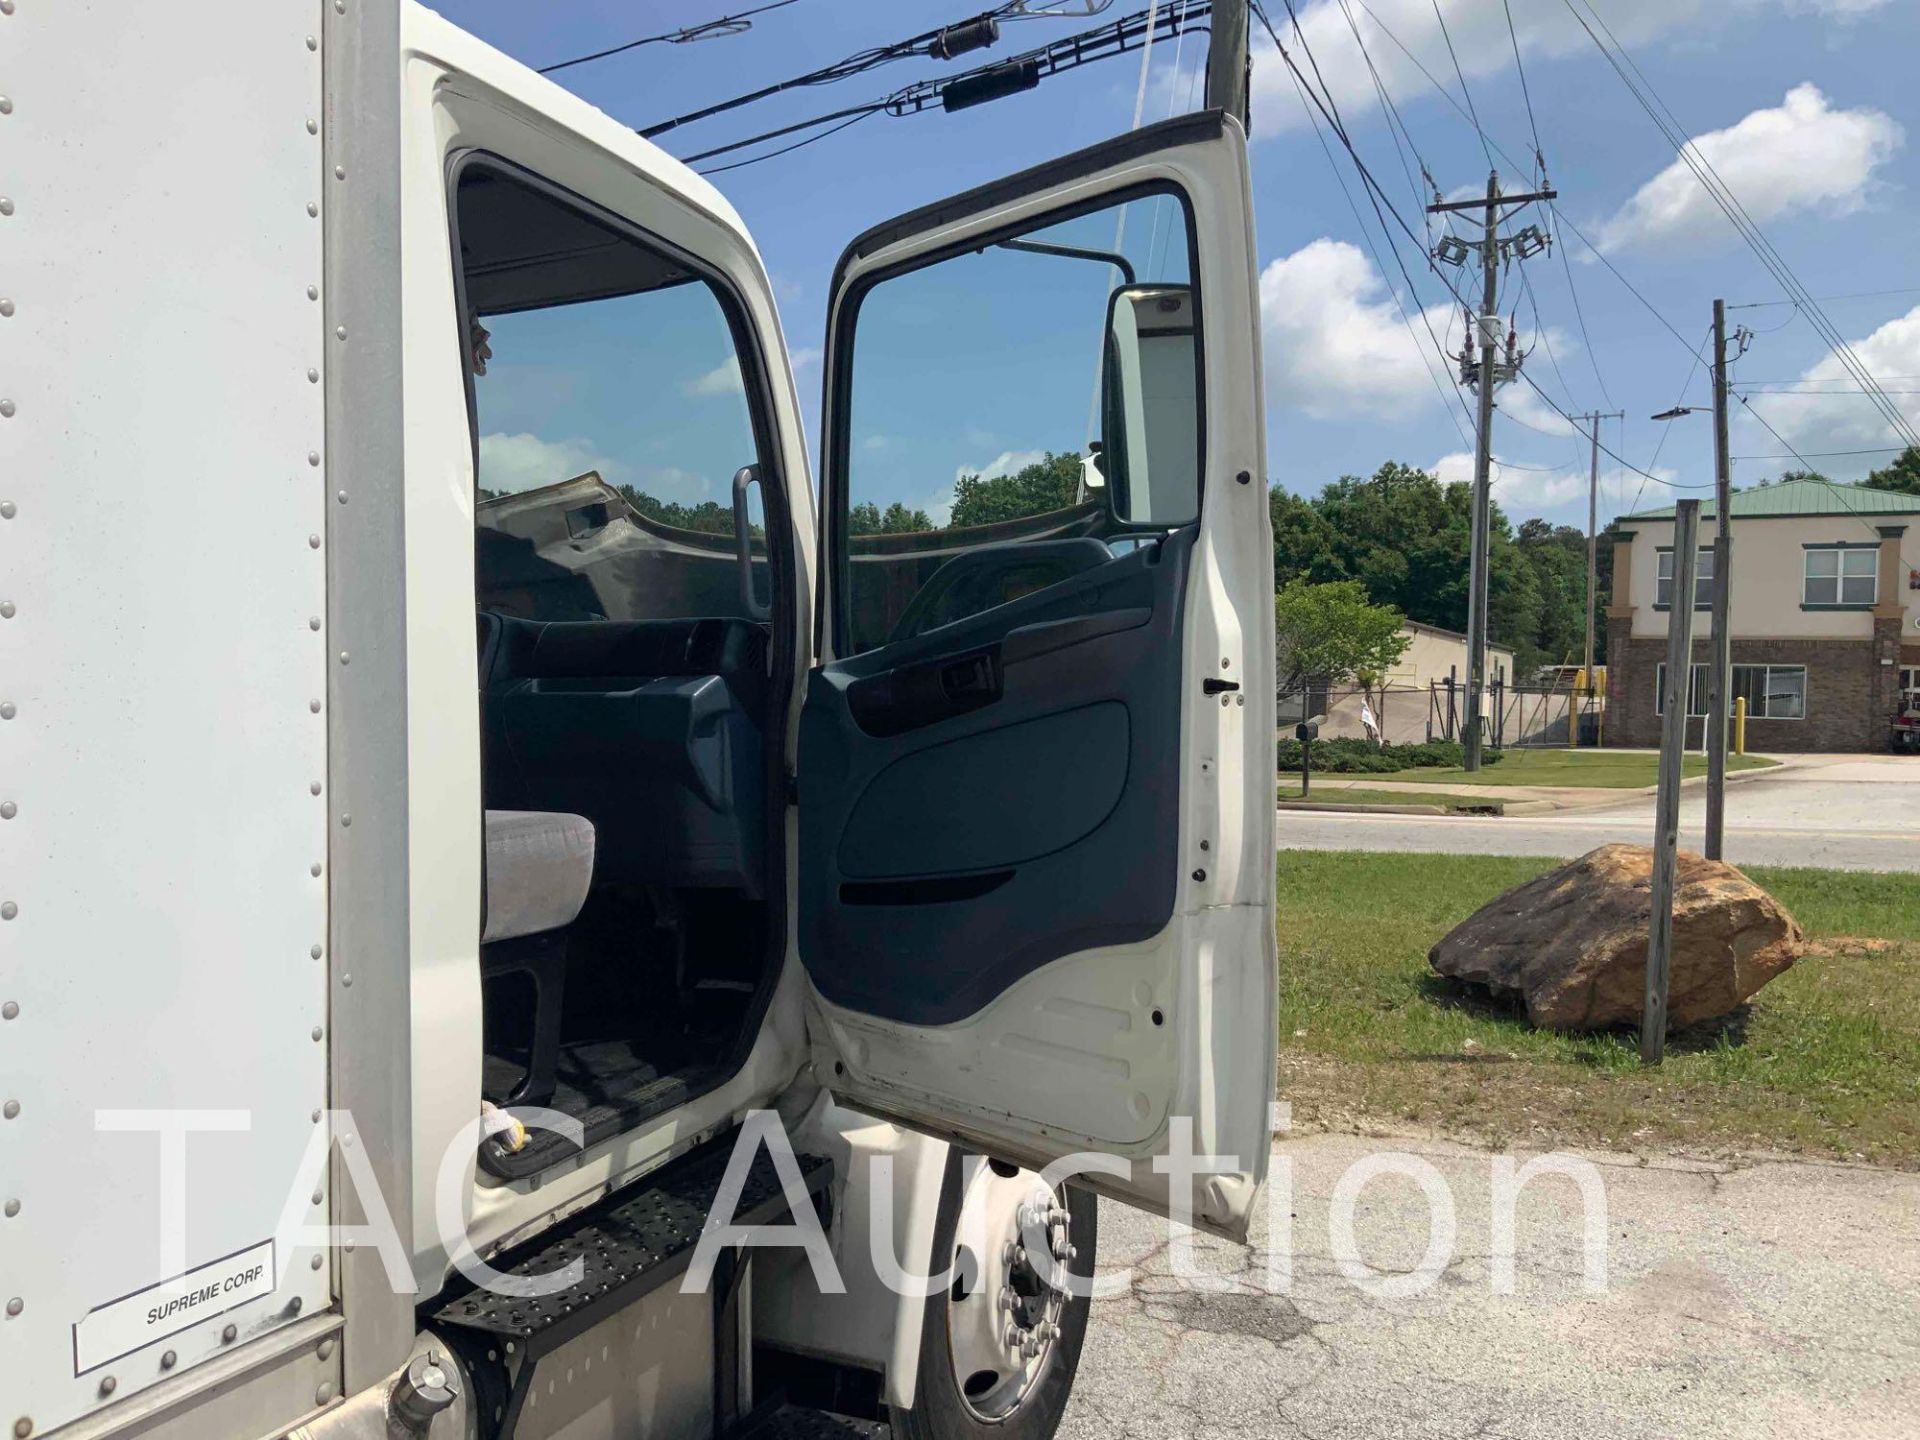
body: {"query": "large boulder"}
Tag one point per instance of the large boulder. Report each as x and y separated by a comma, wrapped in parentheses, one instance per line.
(1573, 943)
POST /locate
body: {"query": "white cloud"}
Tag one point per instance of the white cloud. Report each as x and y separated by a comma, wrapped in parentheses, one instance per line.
(1005, 463)
(1517, 489)
(511, 463)
(1521, 402)
(1801, 155)
(723, 379)
(804, 356)
(1335, 341)
(1834, 415)
(1478, 30)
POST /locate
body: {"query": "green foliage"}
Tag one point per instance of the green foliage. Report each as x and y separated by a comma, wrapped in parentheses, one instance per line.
(1902, 474)
(897, 519)
(1052, 483)
(1330, 634)
(1407, 538)
(1363, 757)
(709, 516)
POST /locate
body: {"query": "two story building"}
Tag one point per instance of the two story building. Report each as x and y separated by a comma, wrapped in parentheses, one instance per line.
(1825, 600)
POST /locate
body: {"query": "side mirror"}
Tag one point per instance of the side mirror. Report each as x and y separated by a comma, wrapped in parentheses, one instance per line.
(1150, 406)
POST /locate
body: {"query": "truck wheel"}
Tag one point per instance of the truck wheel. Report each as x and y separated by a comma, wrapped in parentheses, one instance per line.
(999, 1346)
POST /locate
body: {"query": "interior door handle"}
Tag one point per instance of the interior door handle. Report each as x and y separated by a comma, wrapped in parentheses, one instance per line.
(1214, 685)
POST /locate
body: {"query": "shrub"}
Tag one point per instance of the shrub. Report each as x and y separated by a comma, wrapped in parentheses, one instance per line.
(1359, 757)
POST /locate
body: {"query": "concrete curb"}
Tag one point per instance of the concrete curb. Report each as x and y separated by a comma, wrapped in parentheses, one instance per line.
(1485, 810)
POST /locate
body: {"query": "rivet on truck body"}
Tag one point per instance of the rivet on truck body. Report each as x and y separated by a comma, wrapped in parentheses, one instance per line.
(6, 309)
(7, 612)
(9, 910)
(313, 210)
(315, 952)
(229, 1334)
(7, 408)
(314, 869)
(339, 172)
(11, 1109)
(6, 205)
(313, 376)
(13, 1208)
(318, 1034)
(8, 510)
(313, 457)
(340, 332)
(15, 1306)
(314, 706)
(8, 809)
(318, 1261)
(313, 292)
(7, 710)
(107, 1386)
(23, 1427)
(313, 622)
(313, 787)
(313, 542)
(312, 43)
(10, 1010)
(169, 1359)
(313, 127)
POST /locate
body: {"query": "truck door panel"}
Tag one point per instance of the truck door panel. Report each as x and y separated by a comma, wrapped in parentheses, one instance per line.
(1034, 765)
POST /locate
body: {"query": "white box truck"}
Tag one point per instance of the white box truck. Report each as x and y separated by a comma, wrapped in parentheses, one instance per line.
(479, 832)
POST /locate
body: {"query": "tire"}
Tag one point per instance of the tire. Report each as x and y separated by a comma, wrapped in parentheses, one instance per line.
(943, 1408)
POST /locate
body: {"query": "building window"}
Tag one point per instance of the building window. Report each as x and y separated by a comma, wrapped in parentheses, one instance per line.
(1702, 581)
(1772, 692)
(1841, 576)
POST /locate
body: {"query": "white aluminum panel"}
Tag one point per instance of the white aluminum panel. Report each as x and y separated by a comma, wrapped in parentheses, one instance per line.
(161, 473)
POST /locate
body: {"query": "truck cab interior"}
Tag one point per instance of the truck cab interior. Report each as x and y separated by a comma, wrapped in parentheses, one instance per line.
(630, 686)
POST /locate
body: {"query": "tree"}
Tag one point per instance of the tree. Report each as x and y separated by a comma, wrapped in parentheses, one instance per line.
(1902, 475)
(1051, 483)
(708, 517)
(867, 518)
(1331, 635)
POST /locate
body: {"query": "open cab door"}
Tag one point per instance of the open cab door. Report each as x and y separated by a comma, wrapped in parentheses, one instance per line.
(1036, 763)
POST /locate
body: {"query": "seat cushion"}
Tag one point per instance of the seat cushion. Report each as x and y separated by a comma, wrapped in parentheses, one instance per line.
(539, 867)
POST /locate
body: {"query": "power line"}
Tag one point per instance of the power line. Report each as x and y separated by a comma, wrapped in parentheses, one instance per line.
(1465, 94)
(984, 82)
(1744, 225)
(1559, 216)
(707, 30)
(1374, 186)
(1849, 295)
(942, 43)
(1539, 155)
(1804, 456)
(854, 119)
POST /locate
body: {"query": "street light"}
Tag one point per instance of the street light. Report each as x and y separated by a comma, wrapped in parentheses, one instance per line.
(1676, 412)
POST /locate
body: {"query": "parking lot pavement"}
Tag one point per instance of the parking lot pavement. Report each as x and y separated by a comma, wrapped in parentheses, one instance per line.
(1846, 812)
(1750, 1299)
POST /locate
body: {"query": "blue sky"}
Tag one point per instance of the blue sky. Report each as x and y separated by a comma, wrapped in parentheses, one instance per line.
(1806, 107)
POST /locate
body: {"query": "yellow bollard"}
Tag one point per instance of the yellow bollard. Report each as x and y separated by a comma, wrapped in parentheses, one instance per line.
(1739, 724)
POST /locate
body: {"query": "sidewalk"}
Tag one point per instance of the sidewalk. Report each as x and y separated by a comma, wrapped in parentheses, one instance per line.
(1539, 799)
(1751, 1298)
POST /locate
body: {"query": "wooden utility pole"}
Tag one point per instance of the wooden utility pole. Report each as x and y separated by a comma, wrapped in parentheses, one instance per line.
(1227, 60)
(1666, 812)
(1720, 673)
(1593, 420)
(1485, 374)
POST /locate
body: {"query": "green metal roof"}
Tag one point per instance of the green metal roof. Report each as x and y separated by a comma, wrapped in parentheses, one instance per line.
(1801, 497)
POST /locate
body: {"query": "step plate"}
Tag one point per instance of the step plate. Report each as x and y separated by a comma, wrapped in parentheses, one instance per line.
(636, 1245)
(792, 1422)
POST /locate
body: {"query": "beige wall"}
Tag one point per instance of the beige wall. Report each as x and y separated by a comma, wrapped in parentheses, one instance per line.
(1431, 651)
(1767, 573)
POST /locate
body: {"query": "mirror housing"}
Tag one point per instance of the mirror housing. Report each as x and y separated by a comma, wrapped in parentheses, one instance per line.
(1150, 406)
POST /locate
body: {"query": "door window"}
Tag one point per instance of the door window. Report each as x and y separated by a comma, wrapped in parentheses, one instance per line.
(610, 414)
(1020, 411)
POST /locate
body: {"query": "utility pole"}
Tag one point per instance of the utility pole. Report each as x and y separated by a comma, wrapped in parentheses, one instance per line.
(1720, 675)
(1666, 805)
(1228, 59)
(1593, 419)
(1485, 374)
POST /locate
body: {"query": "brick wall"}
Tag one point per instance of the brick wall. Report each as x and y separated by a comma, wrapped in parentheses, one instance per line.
(1850, 695)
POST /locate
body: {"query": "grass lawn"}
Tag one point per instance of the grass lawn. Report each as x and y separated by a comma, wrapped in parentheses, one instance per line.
(1626, 769)
(1825, 1060)
(1399, 795)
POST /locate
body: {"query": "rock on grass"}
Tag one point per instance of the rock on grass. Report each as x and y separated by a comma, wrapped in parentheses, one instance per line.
(1572, 944)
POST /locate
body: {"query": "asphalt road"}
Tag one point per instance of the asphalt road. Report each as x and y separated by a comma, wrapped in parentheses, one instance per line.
(1747, 1299)
(1845, 813)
